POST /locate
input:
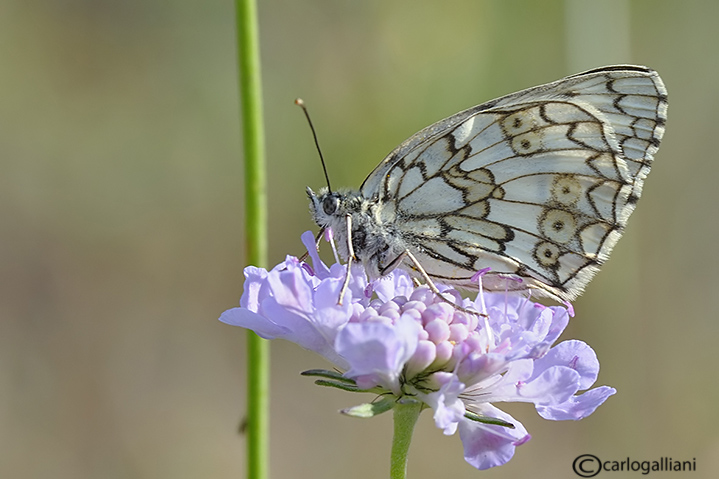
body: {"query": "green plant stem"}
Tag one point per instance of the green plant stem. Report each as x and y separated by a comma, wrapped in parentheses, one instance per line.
(255, 230)
(405, 418)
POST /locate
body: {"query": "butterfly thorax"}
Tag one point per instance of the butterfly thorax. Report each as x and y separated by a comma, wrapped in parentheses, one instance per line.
(376, 240)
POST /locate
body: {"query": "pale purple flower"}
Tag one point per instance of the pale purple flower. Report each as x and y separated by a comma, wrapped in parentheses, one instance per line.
(391, 337)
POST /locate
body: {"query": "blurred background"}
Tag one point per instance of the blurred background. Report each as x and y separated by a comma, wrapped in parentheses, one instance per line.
(121, 219)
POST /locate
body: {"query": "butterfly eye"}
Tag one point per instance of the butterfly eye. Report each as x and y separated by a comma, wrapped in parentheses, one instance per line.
(330, 204)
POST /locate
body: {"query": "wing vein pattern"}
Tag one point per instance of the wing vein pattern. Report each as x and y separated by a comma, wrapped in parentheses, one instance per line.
(537, 185)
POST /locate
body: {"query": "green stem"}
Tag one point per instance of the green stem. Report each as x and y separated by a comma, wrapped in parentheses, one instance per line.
(255, 230)
(405, 418)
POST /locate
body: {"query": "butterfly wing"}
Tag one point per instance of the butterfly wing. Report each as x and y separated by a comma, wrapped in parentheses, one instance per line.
(536, 185)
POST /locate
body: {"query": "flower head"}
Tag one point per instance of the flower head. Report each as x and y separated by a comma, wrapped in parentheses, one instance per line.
(391, 337)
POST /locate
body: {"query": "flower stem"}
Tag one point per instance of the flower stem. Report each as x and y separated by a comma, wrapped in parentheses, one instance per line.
(405, 418)
(255, 230)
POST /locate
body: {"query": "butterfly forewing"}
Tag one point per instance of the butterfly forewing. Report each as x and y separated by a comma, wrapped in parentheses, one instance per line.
(537, 185)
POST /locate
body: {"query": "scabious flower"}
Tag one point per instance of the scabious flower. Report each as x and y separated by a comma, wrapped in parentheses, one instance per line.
(402, 341)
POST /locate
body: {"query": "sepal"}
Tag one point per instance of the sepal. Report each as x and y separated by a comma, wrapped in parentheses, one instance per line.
(324, 373)
(370, 409)
(338, 381)
(488, 420)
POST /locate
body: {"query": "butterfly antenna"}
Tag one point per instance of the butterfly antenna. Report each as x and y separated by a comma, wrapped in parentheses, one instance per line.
(301, 104)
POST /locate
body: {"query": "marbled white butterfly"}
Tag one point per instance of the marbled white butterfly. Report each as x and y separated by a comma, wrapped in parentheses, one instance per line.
(536, 185)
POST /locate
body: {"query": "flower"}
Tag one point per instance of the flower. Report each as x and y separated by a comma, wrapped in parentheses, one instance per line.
(393, 338)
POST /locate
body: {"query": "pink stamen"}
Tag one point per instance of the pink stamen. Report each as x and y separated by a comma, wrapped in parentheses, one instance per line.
(475, 277)
(523, 440)
(308, 268)
(570, 308)
(573, 362)
(328, 234)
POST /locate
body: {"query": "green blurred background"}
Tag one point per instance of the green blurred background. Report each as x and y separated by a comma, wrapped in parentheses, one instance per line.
(121, 226)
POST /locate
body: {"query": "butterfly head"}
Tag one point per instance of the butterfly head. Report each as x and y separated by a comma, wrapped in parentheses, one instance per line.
(325, 206)
(331, 208)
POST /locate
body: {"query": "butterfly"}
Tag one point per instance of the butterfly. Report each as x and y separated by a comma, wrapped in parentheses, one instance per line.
(535, 188)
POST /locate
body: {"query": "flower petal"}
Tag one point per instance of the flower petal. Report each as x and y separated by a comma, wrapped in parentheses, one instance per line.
(329, 316)
(448, 408)
(554, 386)
(560, 320)
(377, 351)
(574, 354)
(259, 324)
(320, 269)
(291, 289)
(254, 279)
(487, 445)
(300, 330)
(398, 283)
(577, 407)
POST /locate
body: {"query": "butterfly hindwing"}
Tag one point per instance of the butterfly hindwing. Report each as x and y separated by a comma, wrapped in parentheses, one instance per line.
(537, 185)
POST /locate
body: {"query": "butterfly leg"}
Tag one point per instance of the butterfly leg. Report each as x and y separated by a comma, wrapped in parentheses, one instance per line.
(433, 287)
(350, 257)
(386, 270)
